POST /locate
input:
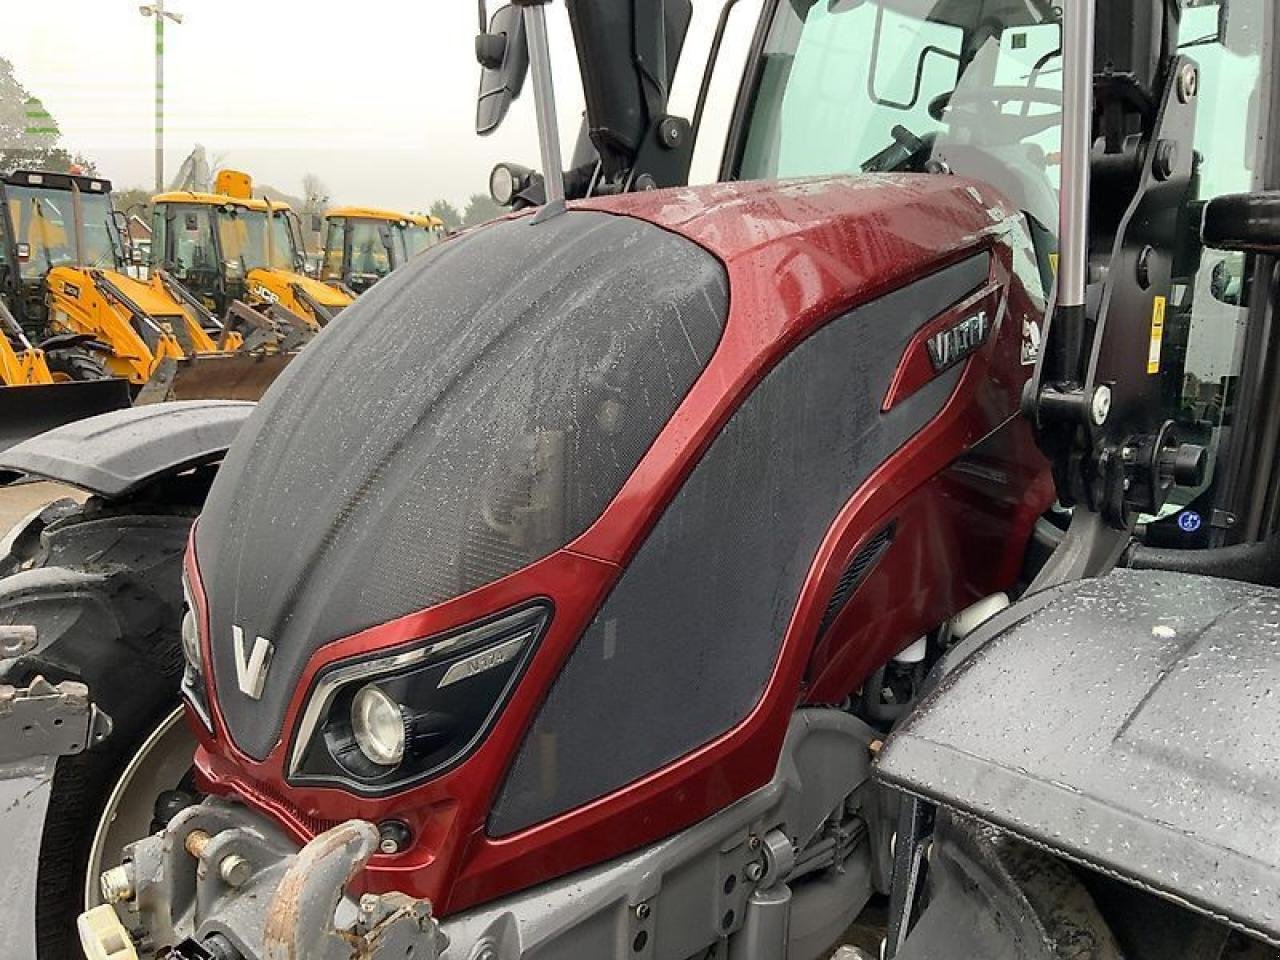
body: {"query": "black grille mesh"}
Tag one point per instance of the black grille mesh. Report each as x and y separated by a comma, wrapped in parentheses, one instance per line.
(683, 647)
(472, 413)
(853, 575)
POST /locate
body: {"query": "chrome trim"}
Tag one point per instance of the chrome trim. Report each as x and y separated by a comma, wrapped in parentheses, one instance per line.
(483, 660)
(328, 685)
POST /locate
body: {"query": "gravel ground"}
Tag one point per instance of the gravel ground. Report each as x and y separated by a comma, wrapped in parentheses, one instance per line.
(23, 499)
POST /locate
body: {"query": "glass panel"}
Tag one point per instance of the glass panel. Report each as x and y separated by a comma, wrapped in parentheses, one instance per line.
(193, 250)
(284, 251)
(42, 220)
(370, 255)
(1204, 334)
(849, 87)
(332, 267)
(102, 245)
(242, 235)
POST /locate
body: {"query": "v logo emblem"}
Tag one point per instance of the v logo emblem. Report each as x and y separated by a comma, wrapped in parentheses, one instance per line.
(251, 666)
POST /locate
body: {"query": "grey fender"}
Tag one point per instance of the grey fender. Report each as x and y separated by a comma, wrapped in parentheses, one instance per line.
(115, 454)
(1129, 723)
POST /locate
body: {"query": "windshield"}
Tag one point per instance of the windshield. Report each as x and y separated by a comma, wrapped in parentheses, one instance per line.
(284, 249)
(847, 87)
(371, 247)
(331, 265)
(418, 238)
(44, 220)
(242, 235)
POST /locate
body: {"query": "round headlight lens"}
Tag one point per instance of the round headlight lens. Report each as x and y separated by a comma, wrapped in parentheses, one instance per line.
(502, 185)
(378, 726)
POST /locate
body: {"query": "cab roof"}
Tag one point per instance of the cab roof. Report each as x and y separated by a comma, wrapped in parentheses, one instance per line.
(57, 181)
(218, 200)
(367, 213)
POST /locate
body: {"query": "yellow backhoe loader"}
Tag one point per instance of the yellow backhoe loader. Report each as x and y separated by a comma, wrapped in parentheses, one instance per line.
(67, 281)
(34, 397)
(363, 244)
(233, 251)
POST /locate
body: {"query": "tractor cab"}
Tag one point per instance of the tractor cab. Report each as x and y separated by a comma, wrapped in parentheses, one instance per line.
(363, 244)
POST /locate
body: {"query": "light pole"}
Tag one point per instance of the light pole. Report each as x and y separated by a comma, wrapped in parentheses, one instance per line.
(158, 11)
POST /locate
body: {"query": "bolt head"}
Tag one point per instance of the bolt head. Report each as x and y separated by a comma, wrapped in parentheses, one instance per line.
(388, 846)
(116, 884)
(1100, 405)
(642, 911)
(754, 871)
(1188, 82)
(235, 870)
(368, 903)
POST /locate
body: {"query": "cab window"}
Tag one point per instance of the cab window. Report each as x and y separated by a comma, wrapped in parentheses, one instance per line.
(370, 255)
(911, 87)
(1202, 346)
(331, 268)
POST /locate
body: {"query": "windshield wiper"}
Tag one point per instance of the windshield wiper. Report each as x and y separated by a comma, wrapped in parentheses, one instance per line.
(896, 155)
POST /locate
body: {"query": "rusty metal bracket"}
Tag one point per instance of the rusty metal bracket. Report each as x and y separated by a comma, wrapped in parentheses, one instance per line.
(300, 918)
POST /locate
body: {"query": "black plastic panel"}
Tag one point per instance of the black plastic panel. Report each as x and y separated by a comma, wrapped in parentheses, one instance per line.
(115, 453)
(683, 646)
(472, 413)
(1127, 723)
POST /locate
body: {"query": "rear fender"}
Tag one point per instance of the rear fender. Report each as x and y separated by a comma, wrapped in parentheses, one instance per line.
(116, 454)
(1126, 723)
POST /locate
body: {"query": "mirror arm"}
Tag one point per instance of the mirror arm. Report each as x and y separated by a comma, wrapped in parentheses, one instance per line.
(535, 20)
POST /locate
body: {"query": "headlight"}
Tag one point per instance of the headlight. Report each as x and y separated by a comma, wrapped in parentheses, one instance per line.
(193, 688)
(377, 725)
(191, 637)
(506, 180)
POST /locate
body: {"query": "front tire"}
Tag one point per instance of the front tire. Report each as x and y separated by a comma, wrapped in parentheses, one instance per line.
(102, 585)
(75, 364)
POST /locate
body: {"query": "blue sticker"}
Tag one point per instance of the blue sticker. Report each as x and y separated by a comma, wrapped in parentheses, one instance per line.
(1189, 521)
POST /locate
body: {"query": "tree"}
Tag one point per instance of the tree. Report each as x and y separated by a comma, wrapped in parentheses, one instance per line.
(480, 209)
(447, 212)
(135, 200)
(315, 194)
(29, 136)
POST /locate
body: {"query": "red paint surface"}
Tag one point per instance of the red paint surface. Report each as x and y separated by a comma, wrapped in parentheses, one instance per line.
(797, 255)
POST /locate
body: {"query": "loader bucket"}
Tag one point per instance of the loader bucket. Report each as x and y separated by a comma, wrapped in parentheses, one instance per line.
(213, 376)
(26, 411)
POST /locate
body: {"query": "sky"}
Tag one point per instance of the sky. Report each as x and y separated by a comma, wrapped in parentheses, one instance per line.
(376, 97)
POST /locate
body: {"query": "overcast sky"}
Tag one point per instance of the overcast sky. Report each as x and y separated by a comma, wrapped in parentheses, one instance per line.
(376, 97)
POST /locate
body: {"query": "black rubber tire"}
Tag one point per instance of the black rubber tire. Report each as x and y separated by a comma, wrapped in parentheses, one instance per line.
(102, 585)
(76, 364)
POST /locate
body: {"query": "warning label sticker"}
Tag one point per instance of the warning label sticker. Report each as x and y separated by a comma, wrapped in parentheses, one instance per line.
(1157, 335)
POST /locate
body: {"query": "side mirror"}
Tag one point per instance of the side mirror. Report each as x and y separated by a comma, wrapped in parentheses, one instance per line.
(503, 52)
(1243, 223)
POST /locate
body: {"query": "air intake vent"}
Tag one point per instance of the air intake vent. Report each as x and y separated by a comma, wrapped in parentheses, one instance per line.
(854, 574)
